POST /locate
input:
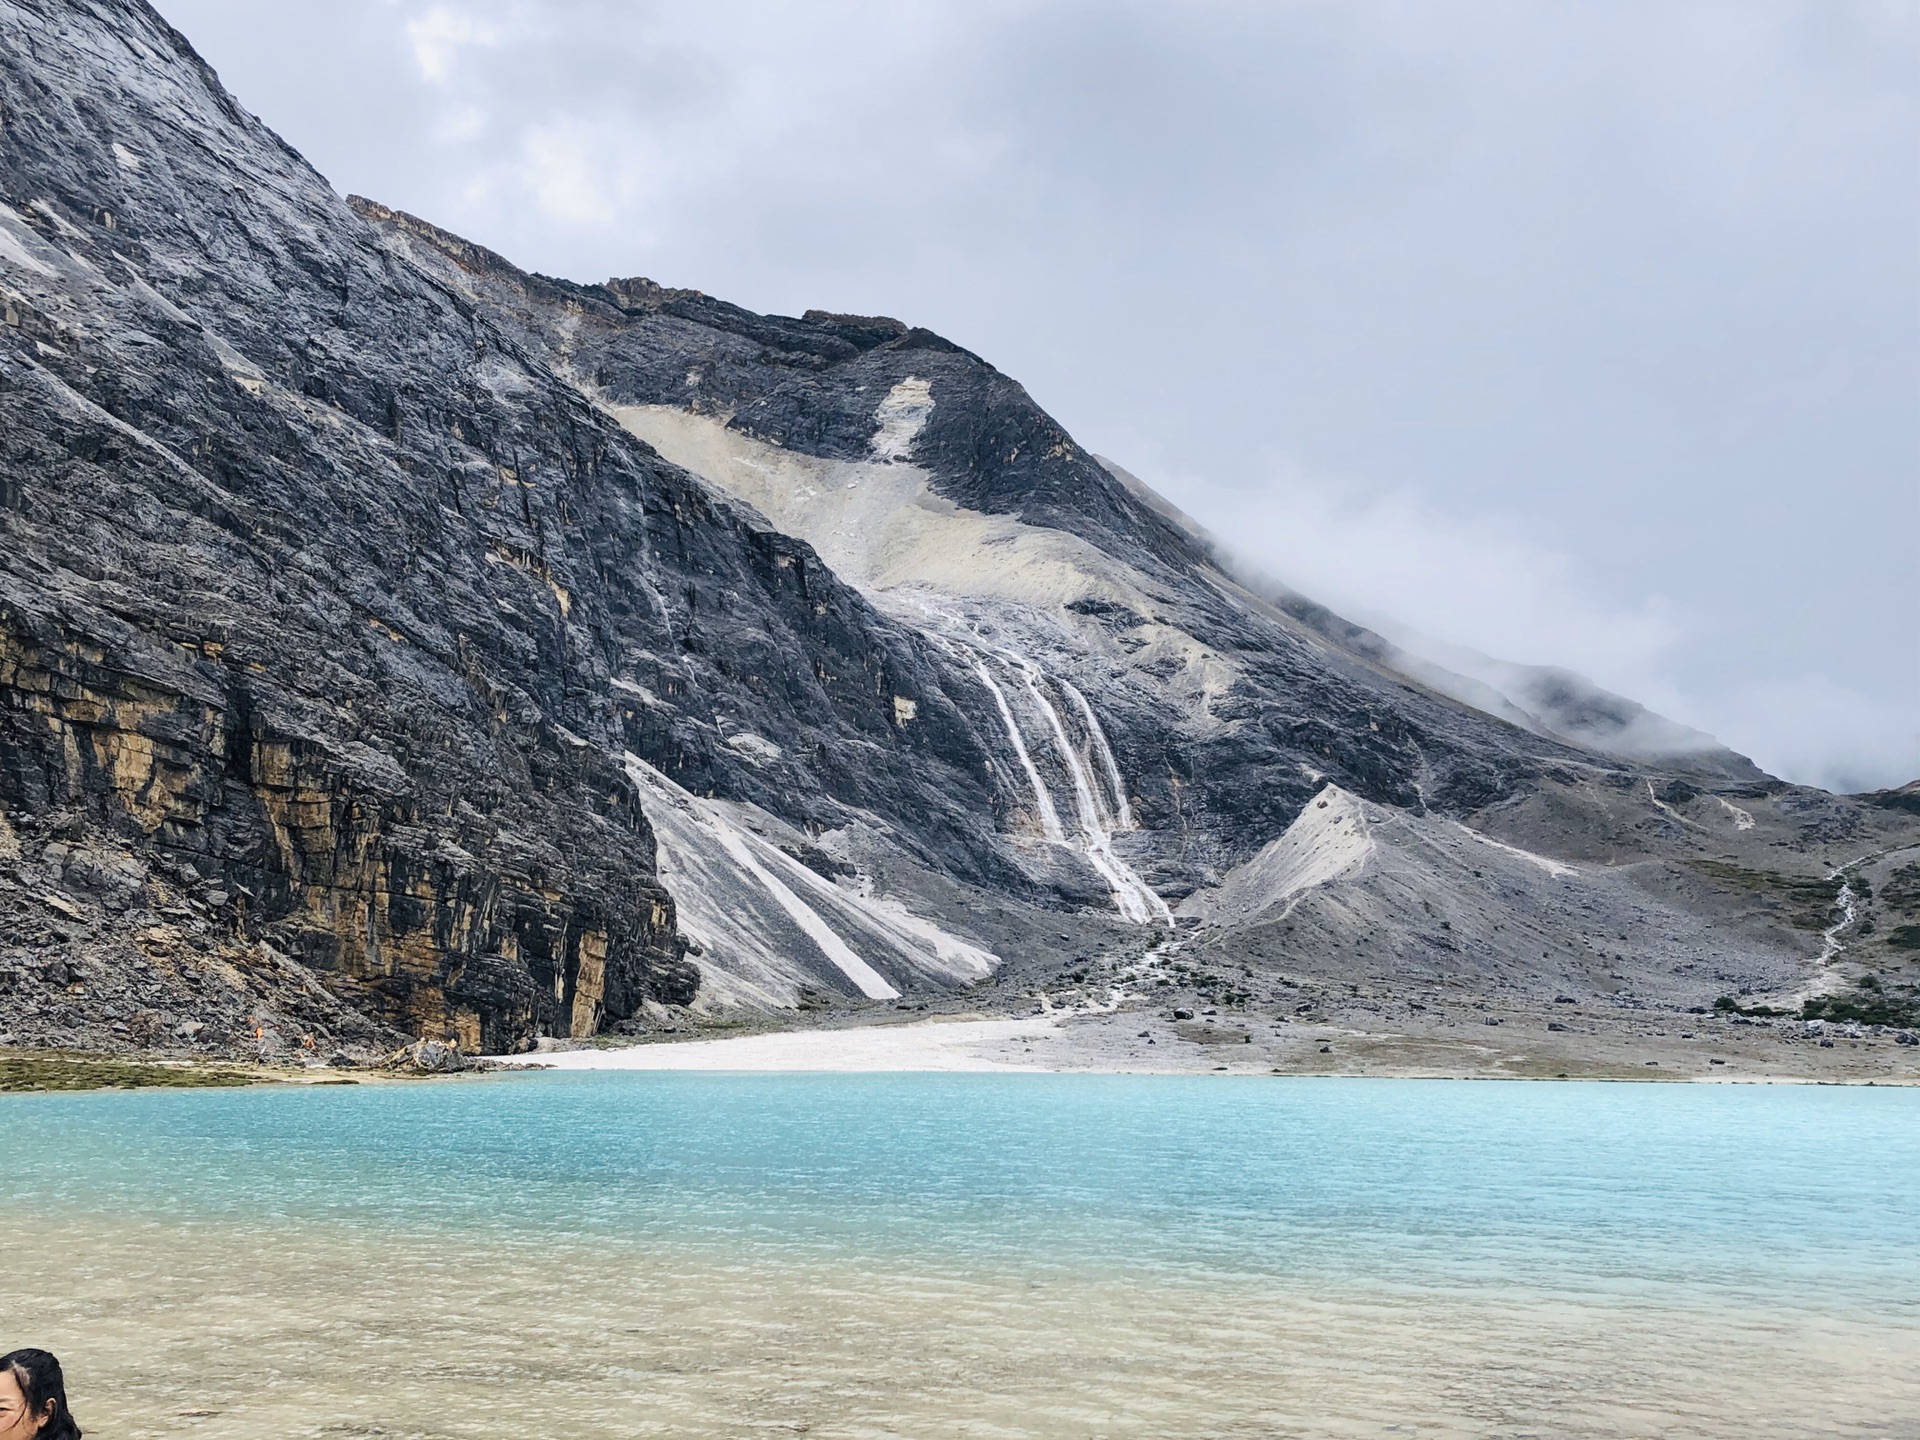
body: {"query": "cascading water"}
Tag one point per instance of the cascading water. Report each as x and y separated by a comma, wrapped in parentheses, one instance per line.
(1049, 816)
(1123, 812)
(1844, 901)
(1132, 895)
(1082, 791)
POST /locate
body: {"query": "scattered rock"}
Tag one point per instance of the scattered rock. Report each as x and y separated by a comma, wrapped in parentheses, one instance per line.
(63, 906)
(429, 1057)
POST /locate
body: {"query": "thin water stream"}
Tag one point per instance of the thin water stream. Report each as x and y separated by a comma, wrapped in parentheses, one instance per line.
(1132, 896)
(1123, 810)
(1050, 825)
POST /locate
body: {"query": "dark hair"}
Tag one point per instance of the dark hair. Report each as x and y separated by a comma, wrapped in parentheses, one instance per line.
(41, 1381)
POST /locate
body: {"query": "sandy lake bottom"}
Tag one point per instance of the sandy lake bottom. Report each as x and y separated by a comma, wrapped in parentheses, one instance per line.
(601, 1255)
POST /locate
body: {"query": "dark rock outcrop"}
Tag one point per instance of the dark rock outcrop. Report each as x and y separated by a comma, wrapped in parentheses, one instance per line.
(313, 583)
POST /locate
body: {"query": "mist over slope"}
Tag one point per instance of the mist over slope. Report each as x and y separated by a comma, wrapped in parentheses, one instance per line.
(396, 643)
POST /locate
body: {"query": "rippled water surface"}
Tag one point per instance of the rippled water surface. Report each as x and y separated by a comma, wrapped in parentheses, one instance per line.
(612, 1255)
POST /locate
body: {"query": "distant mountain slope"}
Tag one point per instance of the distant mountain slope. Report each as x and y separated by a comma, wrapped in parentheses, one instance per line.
(1545, 700)
(1261, 700)
(396, 643)
(1222, 705)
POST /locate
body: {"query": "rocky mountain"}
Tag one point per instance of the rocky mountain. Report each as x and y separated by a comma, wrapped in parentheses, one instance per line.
(396, 643)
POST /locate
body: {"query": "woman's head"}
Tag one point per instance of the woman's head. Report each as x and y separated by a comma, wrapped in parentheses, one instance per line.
(33, 1398)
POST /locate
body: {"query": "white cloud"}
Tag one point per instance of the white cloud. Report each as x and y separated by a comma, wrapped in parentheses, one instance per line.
(460, 124)
(1398, 560)
(441, 35)
(1415, 572)
(563, 165)
(1819, 731)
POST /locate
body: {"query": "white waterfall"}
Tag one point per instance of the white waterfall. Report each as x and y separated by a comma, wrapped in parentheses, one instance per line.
(1132, 895)
(1123, 812)
(1084, 804)
(1830, 945)
(1049, 816)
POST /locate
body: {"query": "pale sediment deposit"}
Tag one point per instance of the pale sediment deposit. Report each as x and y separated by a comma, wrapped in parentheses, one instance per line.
(960, 1045)
(1469, 1043)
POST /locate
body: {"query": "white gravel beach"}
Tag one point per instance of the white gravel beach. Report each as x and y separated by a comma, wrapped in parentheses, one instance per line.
(971, 1045)
(1147, 1042)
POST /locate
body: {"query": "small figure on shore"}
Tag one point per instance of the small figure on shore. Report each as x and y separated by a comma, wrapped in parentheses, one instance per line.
(33, 1398)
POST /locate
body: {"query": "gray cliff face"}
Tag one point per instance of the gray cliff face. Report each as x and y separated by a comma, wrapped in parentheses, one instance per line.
(313, 583)
(396, 643)
(1296, 711)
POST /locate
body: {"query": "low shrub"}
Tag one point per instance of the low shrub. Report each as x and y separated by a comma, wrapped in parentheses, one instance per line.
(1865, 1007)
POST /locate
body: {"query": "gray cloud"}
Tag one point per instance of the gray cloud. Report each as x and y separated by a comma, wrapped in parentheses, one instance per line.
(1585, 333)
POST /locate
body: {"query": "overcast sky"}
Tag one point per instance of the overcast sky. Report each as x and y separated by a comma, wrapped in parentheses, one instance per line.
(1580, 333)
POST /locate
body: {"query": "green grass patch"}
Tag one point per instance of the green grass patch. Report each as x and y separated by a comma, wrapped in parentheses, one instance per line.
(1727, 1005)
(1865, 1007)
(1804, 903)
(55, 1071)
(1869, 1004)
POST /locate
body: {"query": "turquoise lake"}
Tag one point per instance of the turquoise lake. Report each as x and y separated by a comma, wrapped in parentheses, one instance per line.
(596, 1254)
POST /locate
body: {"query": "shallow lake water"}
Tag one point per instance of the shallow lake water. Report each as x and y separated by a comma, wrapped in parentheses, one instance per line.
(614, 1255)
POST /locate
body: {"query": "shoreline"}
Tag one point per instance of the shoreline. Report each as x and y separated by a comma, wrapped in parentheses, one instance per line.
(933, 1046)
(1137, 1043)
(1106, 1042)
